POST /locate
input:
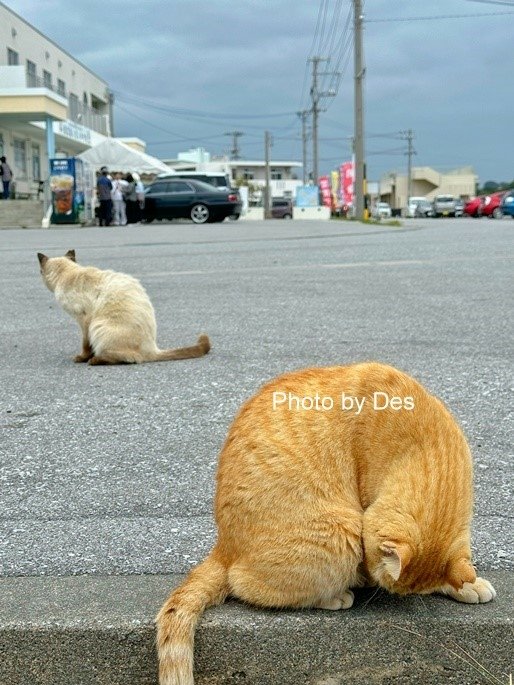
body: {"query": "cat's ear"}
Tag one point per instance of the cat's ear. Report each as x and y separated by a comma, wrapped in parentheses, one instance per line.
(71, 255)
(395, 557)
(460, 571)
(42, 258)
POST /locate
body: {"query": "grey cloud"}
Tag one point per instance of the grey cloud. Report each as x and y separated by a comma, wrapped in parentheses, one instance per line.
(448, 80)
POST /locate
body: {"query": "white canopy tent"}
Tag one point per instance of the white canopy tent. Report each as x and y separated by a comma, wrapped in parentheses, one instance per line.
(118, 156)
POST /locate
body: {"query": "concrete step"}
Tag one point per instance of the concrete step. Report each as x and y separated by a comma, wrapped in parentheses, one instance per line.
(99, 630)
(21, 213)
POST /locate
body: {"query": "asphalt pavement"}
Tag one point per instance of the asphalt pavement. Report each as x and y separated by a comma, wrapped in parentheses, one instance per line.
(109, 471)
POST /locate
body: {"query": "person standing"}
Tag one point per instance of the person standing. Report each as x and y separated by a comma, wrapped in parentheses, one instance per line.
(6, 175)
(140, 194)
(103, 192)
(118, 200)
(131, 200)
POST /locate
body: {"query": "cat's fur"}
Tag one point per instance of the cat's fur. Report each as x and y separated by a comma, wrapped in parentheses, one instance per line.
(312, 503)
(114, 313)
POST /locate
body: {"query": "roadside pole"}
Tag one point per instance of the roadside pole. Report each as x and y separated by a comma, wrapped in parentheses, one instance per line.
(358, 110)
(267, 187)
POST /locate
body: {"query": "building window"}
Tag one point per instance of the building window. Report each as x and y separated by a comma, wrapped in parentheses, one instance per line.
(36, 163)
(20, 157)
(12, 57)
(61, 87)
(31, 74)
(276, 174)
(85, 100)
(248, 174)
(73, 103)
(47, 79)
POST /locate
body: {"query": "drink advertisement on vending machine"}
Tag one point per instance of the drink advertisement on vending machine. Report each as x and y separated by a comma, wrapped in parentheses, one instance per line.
(67, 188)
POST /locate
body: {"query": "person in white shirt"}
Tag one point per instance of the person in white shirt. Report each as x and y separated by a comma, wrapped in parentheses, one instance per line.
(118, 200)
(140, 194)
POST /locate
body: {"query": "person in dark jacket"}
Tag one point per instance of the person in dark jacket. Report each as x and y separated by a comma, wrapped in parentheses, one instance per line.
(103, 193)
(131, 200)
(6, 176)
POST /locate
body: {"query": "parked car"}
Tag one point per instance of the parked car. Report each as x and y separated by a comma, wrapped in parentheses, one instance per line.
(491, 207)
(459, 207)
(168, 198)
(444, 205)
(473, 207)
(422, 208)
(507, 204)
(382, 210)
(281, 208)
(412, 204)
(218, 180)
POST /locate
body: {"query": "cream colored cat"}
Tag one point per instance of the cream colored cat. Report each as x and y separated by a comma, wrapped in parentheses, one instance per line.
(314, 499)
(113, 311)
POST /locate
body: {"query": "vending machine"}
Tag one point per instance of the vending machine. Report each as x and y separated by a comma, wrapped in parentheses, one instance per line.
(67, 187)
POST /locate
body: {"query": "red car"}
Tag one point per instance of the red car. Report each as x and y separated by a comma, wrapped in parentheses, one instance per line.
(491, 205)
(473, 207)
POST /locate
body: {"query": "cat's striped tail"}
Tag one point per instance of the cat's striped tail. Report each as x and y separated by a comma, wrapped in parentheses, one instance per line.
(202, 346)
(206, 585)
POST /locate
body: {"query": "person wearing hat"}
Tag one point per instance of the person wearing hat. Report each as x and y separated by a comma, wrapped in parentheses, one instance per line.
(103, 193)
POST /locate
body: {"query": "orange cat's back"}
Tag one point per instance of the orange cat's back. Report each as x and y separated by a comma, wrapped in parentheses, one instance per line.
(328, 477)
(325, 423)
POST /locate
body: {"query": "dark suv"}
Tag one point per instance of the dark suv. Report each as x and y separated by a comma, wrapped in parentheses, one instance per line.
(281, 208)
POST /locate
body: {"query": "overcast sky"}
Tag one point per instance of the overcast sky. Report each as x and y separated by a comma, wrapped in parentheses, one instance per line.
(186, 72)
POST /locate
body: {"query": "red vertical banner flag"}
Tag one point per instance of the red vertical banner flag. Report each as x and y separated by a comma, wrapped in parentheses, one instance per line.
(325, 190)
(347, 176)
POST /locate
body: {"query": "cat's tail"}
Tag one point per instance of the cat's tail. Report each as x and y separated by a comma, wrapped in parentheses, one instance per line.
(202, 347)
(206, 585)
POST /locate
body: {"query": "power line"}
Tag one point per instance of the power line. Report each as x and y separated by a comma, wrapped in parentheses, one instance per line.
(324, 8)
(439, 16)
(342, 58)
(188, 113)
(494, 2)
(329, 47)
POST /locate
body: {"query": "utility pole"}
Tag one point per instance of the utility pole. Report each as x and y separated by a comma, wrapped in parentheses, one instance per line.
(110, 127)
(409, 137)
(359, 109)
(303, 116)
(267, 175)
(315, 97)
(234, 153)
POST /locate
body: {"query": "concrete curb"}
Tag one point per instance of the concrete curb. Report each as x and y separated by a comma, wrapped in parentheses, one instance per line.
(91, 629)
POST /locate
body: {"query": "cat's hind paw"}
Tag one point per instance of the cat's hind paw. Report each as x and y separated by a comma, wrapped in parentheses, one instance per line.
(345, 602)
(479, 592)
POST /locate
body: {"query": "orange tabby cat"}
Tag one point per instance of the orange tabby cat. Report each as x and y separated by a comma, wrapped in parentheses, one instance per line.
(113, 311)
(330, 478)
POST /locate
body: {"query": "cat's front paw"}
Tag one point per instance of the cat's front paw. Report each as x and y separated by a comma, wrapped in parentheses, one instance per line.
(81, 358)
(479, 592)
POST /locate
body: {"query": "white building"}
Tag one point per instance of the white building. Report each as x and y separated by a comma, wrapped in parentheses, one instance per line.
(50, 104)
(285, 176)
